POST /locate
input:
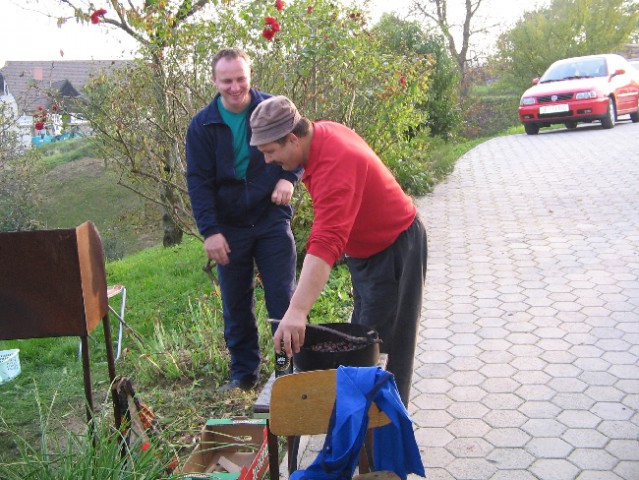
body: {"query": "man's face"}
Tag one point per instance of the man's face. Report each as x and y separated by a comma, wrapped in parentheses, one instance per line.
(232, 77)
(287, 156)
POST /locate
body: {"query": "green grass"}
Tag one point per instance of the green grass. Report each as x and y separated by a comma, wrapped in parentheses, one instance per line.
(77, 187)
(59, 153)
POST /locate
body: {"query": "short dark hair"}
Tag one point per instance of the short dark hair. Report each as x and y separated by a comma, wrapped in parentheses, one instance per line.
(300, 129)
(230, 54)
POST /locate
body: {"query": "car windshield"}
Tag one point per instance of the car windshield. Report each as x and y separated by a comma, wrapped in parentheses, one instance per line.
(566, 70)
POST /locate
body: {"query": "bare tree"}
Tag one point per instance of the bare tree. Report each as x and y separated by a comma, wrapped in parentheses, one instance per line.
(437, 12)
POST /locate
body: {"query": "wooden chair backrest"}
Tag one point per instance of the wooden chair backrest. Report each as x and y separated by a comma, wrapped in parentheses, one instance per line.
(301, 404)
(52, 283)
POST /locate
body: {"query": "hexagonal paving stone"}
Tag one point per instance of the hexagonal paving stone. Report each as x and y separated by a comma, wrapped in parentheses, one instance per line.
(625, 371)
(431, 418)
(467, 394)
(513, 475)
(433, 385)
(468, 427)
(467, 410)
(564, 385)
(501, 401)
(577, 401)
(626, 470)
(431, 401)
(592, 459)
(466, 378)
(535, 392)
(598, 475)
(437, 457)
(507, 437)
(584, 438)
(558, 357)
(544, 427)
(544, 447)
(539, 409)
(612, 411)
(438, 474)
(471, 468)
(624, 450)
(510, 458)
(469, 447)
(505, 418)
(465, 363)
(554, 469)
(433, 437)
(619, 429)
(534, 364)
(578, 419)
(605, 394)
(438, 370)
(531, 378)
(628, 386)
(563, 370)
(598, 378)
(631, 401)
(499, 385)
(499, 357)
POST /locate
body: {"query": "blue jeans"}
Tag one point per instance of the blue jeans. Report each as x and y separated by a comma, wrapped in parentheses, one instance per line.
(270, 247)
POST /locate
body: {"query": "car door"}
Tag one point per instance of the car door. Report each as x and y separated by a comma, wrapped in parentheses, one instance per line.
(623, 86)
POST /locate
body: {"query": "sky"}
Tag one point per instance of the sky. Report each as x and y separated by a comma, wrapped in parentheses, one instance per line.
(27, 34)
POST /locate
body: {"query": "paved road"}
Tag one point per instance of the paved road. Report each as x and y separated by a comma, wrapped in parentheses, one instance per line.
(528, 364)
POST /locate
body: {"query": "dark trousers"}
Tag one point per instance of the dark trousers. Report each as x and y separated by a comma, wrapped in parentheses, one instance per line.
(388, 290)
(269, 245)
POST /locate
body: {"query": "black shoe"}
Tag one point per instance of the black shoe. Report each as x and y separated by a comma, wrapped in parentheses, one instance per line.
(237, 385)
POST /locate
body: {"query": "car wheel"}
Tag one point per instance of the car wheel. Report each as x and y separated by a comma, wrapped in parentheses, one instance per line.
(634, 116)
(531, 128)
(611, 115)
(571, 125)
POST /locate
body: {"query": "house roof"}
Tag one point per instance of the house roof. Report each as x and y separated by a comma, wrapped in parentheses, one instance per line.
(33, 83)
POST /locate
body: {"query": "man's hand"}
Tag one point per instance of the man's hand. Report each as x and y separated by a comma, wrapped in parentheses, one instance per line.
(292, 328)
(217, 248)
(283, 192)
(290, 332)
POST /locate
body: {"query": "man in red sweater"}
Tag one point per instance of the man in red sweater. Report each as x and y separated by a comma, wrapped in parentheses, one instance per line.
(360, 211)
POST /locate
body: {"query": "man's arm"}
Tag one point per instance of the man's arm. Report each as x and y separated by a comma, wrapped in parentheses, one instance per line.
(200, 178)
(291, 330)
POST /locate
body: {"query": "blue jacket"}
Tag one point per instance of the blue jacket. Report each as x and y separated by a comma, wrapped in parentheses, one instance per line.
(394, 445)
(217, 196)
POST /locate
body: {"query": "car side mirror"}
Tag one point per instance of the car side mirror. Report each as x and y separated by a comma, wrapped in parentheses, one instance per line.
(619, 71)
(535, 81)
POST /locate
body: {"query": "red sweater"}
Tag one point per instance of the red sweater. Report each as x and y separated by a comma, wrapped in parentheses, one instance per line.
(359, 207)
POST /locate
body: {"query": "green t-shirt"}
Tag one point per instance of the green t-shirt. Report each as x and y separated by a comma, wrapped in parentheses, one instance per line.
(237, 124)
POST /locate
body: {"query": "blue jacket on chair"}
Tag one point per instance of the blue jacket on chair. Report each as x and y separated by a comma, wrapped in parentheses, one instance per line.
(395, 448)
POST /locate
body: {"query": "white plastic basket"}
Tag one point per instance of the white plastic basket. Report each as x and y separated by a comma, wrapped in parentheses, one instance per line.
(9, 364)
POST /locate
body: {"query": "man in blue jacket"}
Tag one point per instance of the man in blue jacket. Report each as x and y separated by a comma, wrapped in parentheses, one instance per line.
(242, 209)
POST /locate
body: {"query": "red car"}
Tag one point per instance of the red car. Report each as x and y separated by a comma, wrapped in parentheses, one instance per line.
(581, 89)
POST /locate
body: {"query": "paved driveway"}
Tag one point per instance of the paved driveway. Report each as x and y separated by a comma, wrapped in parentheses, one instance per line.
(528, 363)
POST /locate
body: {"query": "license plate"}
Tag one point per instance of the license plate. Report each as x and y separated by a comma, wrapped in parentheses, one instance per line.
(562, 107)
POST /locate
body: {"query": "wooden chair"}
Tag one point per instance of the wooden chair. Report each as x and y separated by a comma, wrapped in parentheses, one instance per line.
(53, 284)
(301, 404)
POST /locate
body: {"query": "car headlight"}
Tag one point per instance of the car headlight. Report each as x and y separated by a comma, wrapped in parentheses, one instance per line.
(527, 101)
(586, 95)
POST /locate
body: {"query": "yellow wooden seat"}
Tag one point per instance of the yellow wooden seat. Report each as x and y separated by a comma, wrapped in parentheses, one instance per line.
(301, 404)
